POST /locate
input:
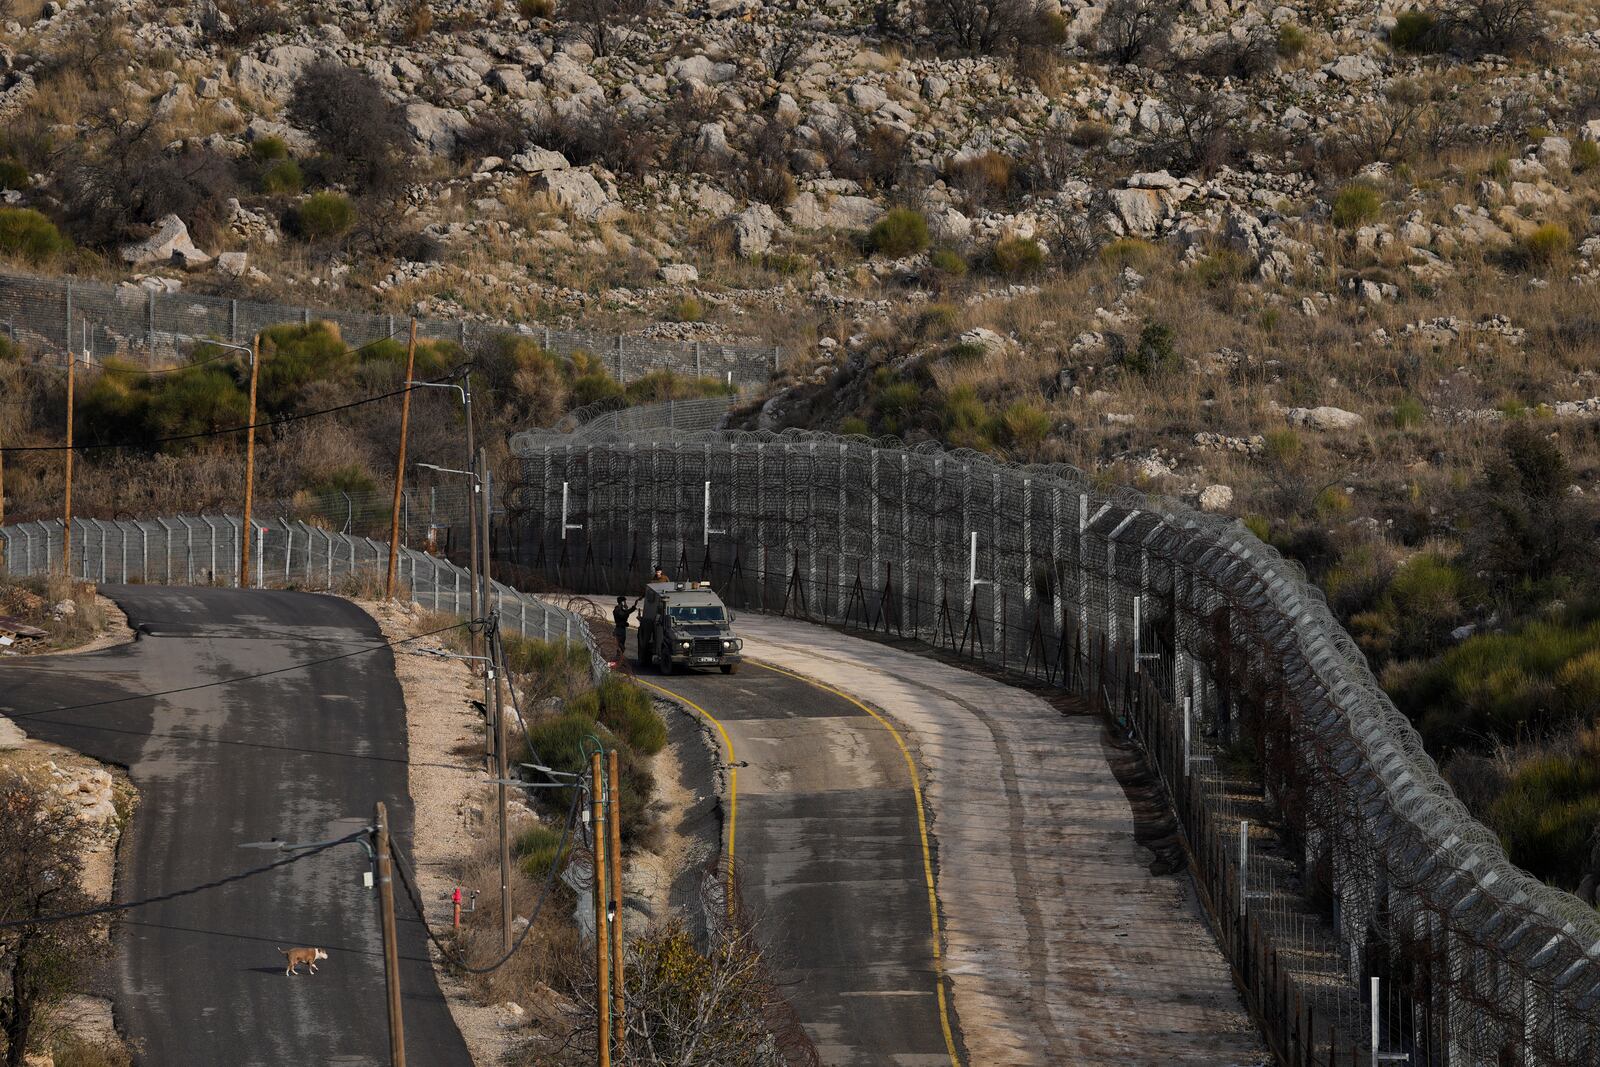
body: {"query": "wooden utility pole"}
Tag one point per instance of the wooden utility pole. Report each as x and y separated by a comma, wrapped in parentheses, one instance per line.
(480, 588)
(498, 668)
(391, 950)
(602, 970)
(246, 533)
(618, 1018)
(400, 465)
(472, 509)
(66, 531)
(2, 501)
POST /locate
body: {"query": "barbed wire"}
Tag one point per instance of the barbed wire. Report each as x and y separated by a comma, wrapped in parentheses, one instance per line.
(861, 532)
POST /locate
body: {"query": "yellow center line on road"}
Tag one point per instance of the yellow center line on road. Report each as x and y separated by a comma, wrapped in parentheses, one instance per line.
(733, 773)
(922, 831)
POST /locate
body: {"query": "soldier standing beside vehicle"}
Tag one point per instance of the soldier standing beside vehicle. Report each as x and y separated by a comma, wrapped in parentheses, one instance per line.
(619, 618)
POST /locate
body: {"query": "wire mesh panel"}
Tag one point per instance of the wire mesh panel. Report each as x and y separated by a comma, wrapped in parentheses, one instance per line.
(133, 321)
(1328, 850)
(205, 550)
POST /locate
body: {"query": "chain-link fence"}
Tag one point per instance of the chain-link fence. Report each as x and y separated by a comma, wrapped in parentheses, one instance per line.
(701, 413)
(128, 320)
(1362, 907)
(206, 550)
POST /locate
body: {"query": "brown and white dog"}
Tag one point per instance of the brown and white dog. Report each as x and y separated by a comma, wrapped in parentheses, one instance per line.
(307, 956)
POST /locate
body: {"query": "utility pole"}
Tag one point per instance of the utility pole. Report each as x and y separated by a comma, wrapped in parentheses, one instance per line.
(473, 487)
(400, 465)
(502, 771)
(391, 951)
(2, 501)
(618, 1018)
(602, 970)
(66, 532)
(480, 592)
(245, 533)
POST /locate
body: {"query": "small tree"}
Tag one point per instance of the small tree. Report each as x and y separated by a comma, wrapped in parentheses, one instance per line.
(985, 26)
(711, 1005)
(362, 133)
(597, 21)
(1505, 27)
(41, 871)
(1131, 30)
(1526, 526)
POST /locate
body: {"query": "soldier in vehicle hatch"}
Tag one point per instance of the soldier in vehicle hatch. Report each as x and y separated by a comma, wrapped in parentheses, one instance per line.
(619, 618)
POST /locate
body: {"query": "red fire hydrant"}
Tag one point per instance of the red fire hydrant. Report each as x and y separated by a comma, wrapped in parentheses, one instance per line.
(455, 898)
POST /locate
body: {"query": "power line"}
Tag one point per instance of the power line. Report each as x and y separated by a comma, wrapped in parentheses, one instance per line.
(106, 909)
(226, 352)
(283, 421)
(234, 680)
(145, 445)
(408, 879)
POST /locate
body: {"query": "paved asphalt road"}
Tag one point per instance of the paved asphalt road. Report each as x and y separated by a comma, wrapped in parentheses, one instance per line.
(300, 756)
(831, 865)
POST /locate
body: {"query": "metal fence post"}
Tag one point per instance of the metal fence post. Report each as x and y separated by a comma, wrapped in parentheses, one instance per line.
(150, 323)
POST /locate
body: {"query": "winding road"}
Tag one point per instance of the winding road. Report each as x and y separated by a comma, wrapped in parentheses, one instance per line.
(834, 864)
(300, 755)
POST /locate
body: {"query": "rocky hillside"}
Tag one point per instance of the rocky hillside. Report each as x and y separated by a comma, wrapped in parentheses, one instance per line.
(1327, 266)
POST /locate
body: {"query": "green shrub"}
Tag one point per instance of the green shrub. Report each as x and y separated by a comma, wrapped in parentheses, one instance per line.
(1407, 413)
(1549, 809)
(965, 419)
(196, 401)
(269, 148)
(536, 9)
(1129, 252)
(1292, 40)
(1024, 426)
(1156, 350)
(854, 426)
(686, 309)
(322, 216)
(901, 232)
(433, 358)
(1585, 156)
(1017, 257)
(1416, 32)
(896, 399)
(296, 356)
(538, 850)
(29, 236)
(8, 349)
(1224, 266)
(949, 262)
(964, 352)
(1500, 687)
(558, 669)
(1544, 246)
(1355, 204)
(282, 177)
(627, 711)
(659, 385)
(14, 175)
(786, 264)
(938, 320)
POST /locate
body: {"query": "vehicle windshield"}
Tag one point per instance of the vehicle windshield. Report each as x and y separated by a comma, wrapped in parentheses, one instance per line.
(696, 612)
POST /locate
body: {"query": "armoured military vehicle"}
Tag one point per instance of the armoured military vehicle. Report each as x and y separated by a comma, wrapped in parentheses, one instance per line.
(685, 624)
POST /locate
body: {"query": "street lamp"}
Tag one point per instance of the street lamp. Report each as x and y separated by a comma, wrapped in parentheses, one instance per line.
(462, 386)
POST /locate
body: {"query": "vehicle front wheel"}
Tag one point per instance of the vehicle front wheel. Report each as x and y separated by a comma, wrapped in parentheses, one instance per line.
(730, 668)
